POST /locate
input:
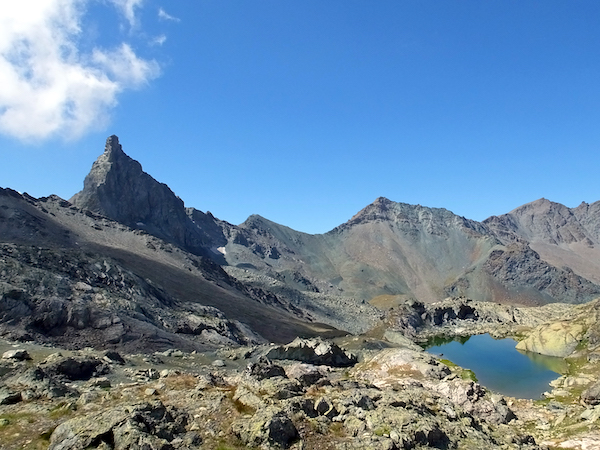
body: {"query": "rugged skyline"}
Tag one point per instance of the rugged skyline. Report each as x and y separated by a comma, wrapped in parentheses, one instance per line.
(538, 253)
(306, 112)
(124, 261)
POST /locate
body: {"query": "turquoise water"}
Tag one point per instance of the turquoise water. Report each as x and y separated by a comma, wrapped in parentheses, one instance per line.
(500, 367)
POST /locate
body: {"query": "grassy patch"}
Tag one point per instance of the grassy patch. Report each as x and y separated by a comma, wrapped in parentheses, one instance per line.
(383, 430)
(181, 382)
(20, 432)
(448, 363)
(337, 428)
(223, 446)
(61, 410)
(468, 374)
(242, 408)
(465, 374)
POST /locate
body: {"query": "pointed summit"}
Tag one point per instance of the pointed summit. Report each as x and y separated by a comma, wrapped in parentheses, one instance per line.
(113, 149)
(112, 144)
(118, 188)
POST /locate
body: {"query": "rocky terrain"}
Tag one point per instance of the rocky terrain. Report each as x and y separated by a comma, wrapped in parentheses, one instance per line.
(379, 390)
(78, 279)
(131, 321)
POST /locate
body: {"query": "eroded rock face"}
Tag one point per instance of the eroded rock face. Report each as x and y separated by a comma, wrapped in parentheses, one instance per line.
(268, 426)
(151, 426)
(313, 351)
(118, 188)
(79, 299)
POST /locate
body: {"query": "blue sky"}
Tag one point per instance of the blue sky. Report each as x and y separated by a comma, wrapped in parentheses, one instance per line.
(306, 111)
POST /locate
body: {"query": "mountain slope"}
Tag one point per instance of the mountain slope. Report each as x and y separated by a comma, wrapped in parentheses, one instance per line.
(78, 279)
(390, 252)
(260, 278)
(562, 236)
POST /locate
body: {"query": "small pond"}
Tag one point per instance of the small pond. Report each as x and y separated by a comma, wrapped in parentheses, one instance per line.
(500, 367)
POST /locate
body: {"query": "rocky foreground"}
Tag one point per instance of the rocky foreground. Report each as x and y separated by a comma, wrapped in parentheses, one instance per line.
(385, 393)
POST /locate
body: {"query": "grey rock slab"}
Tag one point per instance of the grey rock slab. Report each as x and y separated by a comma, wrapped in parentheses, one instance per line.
(314, 351)
(18, 355)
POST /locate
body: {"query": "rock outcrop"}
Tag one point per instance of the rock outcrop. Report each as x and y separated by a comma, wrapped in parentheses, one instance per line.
(128, 427)
(313, 351)
(556, 339)
(395, 398)
(463, 317)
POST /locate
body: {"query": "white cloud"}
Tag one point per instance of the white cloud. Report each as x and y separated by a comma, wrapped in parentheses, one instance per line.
(162, 14)
(128, 8)
(159, 40)
(47, 86)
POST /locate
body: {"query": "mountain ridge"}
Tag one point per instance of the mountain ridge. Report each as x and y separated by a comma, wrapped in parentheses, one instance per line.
(266, 280)
(387, 248)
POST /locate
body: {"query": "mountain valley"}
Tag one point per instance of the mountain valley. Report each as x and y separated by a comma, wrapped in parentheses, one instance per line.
(202, 314)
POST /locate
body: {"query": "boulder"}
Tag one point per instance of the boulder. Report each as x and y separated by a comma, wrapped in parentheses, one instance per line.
(9, 397)
(36, 382)
(263, 369)
(314, 351)
(398, 338)
(556, 339)
(306, 374)
(113, 357)
(475, 400)
(75, 367)
(394, 365)
(269, 426)
(138, 426)
(591, 395)
(18, 355)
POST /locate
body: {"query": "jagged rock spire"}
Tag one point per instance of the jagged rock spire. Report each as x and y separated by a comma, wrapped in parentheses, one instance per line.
(118, 188)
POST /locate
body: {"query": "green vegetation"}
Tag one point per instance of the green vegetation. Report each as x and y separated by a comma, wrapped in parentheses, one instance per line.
(383, 430)
(61, 410)
(468, 374)
(449, 363)
(465, 374)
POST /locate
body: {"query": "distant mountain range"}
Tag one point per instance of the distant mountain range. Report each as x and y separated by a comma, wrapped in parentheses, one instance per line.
(265, 279)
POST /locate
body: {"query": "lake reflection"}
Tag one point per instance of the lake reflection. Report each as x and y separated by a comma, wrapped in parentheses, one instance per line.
(500, 367)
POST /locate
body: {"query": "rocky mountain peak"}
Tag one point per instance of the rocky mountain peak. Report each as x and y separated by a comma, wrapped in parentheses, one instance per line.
(414, 216)
(382, 203)
(118, 188)
(113, 148)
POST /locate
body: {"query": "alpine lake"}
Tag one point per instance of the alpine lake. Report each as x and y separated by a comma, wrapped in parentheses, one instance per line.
(499, 366)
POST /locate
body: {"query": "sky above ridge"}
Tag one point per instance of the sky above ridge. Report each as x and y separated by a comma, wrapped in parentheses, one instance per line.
(306, 111)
